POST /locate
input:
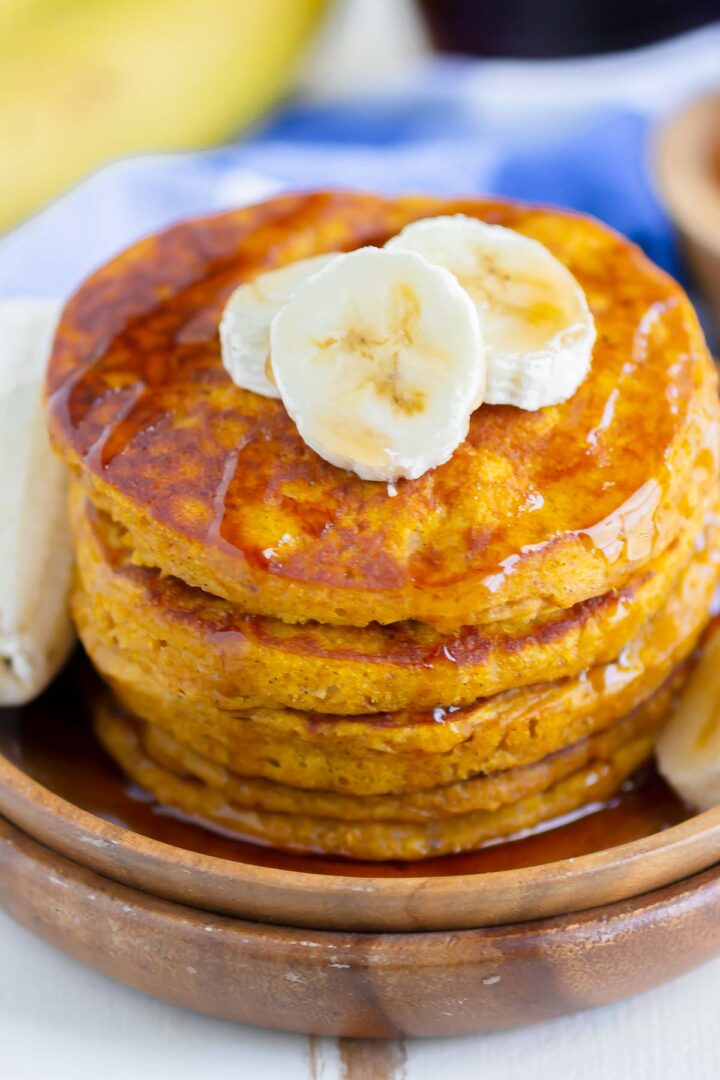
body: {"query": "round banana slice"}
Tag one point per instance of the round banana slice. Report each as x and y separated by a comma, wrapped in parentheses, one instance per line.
(688, 750)
(536, 324)
(379, 361)
(245, 323)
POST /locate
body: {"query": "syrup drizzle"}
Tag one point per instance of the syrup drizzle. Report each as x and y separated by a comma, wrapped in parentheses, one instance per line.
(215, 531)
(155, 320)
(646, 326)
(629, 530)
(51, 741)
(96, 458)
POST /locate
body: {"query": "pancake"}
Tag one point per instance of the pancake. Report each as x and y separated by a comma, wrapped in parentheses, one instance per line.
(327, 664)
(406, 752)
(203, 648)
(180, 779)
(485, 792)
(535, 510)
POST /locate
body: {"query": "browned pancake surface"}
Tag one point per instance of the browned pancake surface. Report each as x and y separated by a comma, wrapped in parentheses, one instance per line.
(216, 486)
(204, 649)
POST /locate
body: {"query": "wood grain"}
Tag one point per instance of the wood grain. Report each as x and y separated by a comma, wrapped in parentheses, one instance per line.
(353, 984)
(362, 1059)
(357, 903)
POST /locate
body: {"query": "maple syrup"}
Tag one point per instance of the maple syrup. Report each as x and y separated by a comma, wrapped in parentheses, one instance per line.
(52, 741)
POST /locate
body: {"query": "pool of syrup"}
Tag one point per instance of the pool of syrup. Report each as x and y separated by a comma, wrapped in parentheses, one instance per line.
(51, 740)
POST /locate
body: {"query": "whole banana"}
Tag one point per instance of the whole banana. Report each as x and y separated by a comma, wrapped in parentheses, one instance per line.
(84, 81)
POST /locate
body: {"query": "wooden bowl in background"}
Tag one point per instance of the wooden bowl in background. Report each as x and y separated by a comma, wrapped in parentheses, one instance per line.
(687, 173)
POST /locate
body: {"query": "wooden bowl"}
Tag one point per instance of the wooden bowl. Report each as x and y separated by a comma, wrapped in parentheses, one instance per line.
(447, 894)
(687, 169)
(377, 985)
(236, 931)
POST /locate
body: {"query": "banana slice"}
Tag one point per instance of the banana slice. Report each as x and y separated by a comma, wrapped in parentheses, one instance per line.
(536, 324)
(379, 361)
(36, 555)
(688, 750)
(245, 324)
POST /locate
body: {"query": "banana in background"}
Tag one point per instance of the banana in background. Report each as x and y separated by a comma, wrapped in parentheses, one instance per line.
(85, 81)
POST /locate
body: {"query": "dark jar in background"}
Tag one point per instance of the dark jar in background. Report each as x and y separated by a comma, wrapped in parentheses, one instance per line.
(558, 28)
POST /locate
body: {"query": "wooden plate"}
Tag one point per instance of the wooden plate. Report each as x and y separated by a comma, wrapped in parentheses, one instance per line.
(59, 788)
(378, 985)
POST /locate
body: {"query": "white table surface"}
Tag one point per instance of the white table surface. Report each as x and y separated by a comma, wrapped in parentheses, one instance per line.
(59, 1020)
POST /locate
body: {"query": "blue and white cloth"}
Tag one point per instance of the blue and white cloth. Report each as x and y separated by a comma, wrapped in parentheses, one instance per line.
(574, 133)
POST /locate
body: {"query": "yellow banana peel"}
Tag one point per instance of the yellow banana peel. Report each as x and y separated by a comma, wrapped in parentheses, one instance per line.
(84, 81)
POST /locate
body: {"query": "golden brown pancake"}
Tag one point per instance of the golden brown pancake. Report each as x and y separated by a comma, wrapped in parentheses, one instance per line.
(441, 824)
(203, 648)
(535, 510)
(405, 752)
(485, 792)
(312, 661)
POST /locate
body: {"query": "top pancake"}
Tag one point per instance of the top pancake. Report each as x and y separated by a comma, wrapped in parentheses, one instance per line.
(214, 484)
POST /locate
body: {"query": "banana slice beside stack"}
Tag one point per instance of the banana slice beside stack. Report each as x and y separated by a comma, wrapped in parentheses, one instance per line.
(379, 361)
(245, 324)
(536, 324)
(688, 750)
(36, 634)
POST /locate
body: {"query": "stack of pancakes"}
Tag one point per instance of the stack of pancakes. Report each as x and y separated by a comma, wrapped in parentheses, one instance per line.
(328, 664)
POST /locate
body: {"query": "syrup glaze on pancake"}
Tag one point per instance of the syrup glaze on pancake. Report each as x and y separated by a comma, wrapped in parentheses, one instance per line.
(177, 781)
(406, 752)
(488, 791)
(204, 649)
(215, 485)
(52, 742)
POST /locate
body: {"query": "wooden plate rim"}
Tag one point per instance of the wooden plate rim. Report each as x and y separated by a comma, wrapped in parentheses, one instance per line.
(348, 902)
(379, 985)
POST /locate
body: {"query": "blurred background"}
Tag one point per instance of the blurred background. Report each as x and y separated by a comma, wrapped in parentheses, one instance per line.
(117, 117)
